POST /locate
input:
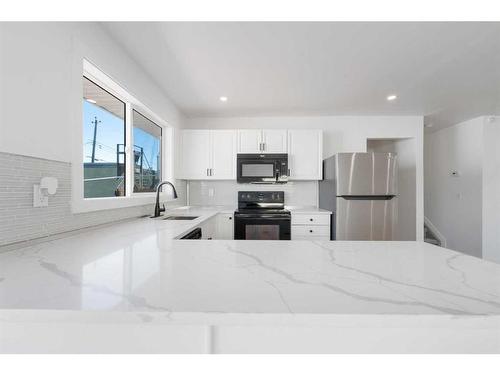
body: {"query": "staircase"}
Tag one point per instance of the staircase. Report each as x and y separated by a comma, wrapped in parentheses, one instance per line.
(431, 237)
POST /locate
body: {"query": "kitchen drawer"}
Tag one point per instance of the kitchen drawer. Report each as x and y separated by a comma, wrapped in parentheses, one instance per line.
(310, 219)
(310, 230)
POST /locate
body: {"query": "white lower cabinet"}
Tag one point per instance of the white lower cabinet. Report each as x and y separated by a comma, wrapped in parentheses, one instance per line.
(310, 227)
(209, 229)
(224, 226)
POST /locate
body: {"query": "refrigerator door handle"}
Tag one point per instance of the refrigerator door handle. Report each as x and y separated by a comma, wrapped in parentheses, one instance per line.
(367, 197)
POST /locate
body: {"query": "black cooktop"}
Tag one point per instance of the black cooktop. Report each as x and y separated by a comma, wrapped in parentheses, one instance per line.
(262, 202)
(259, 211)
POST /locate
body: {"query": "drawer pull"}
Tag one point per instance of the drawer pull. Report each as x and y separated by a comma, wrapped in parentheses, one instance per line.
(310, 230)
(311, 219)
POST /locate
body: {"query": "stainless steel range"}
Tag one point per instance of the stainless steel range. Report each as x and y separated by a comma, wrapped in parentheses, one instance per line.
(261, 215)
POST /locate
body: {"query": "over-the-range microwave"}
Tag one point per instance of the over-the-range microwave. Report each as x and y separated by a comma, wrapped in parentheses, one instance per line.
(262, 168)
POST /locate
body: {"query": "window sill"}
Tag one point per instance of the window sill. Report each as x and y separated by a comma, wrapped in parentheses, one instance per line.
(101, 204)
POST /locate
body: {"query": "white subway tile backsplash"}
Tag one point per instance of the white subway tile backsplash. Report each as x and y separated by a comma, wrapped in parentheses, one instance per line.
(20, 221)
(225, 193)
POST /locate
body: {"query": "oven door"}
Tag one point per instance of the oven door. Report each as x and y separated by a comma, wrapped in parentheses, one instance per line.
(261, 227)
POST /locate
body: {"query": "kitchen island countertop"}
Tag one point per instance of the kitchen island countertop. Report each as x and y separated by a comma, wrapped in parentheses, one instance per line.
(138, 266)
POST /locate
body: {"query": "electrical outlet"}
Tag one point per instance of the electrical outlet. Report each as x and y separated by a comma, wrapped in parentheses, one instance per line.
(39, 200)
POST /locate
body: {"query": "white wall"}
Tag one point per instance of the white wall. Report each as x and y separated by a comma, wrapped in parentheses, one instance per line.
(41, 67)
(40, 84)
(341, 134)
(491, 189)
(454, 204)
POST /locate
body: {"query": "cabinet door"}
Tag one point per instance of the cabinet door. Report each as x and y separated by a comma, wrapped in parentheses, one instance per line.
(195, 154)
(225, 227)
(223, 150)
(208, 229)
(249, 141)
(305, 154)
(274, 141)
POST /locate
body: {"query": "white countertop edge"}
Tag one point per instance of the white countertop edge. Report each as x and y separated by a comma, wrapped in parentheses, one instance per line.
(308, 210)
(251, 319)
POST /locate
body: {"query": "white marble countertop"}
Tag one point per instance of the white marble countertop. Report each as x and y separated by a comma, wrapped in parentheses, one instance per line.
(137, 267)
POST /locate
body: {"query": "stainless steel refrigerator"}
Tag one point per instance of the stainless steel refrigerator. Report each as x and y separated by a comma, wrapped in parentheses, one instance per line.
(360, 189)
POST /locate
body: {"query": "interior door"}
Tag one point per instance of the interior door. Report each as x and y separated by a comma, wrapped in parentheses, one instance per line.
(305, 154)
(274, 141)
(249, 141)
(365, 220)
(195, 154)
(223, 149)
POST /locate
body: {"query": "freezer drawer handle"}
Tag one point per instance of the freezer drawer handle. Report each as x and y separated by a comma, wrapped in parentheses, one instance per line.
(367, 197)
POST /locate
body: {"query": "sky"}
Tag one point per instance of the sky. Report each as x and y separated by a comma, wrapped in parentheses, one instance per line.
(110, 132)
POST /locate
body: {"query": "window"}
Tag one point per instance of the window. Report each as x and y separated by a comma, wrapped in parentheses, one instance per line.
(103, 143)
(121, 147)
(147, 153)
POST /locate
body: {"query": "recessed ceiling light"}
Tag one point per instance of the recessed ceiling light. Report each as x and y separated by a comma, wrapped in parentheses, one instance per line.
(223, 98)
(91, 101)
(391, 98)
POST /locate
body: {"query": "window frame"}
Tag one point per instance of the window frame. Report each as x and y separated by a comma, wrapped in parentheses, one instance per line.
(162, 148)
(81, 204)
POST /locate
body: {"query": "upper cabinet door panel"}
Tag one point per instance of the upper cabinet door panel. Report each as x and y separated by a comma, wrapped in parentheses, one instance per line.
(249, 141)
(274, 141)
(305, 154)
(195, 154)
(223, 147)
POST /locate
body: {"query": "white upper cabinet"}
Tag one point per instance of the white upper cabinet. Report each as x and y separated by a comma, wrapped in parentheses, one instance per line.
(223, 152)
(194, 154)
(211, 154)
(260, 141)
(208, 155)
(305, 154)
(249, 141)
(274, 141)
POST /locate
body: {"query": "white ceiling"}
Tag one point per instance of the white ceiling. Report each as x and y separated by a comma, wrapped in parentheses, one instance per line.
(448, 72)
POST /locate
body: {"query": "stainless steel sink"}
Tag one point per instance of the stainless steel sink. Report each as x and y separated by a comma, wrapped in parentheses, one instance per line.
(180, 217)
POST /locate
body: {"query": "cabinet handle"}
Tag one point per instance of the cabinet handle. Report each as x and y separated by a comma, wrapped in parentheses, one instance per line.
(207, 172)
(263, 147)
(310, 230)
(230, 218)
(211, 171)
(311, 219)
(288, 172)
(260, 146)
